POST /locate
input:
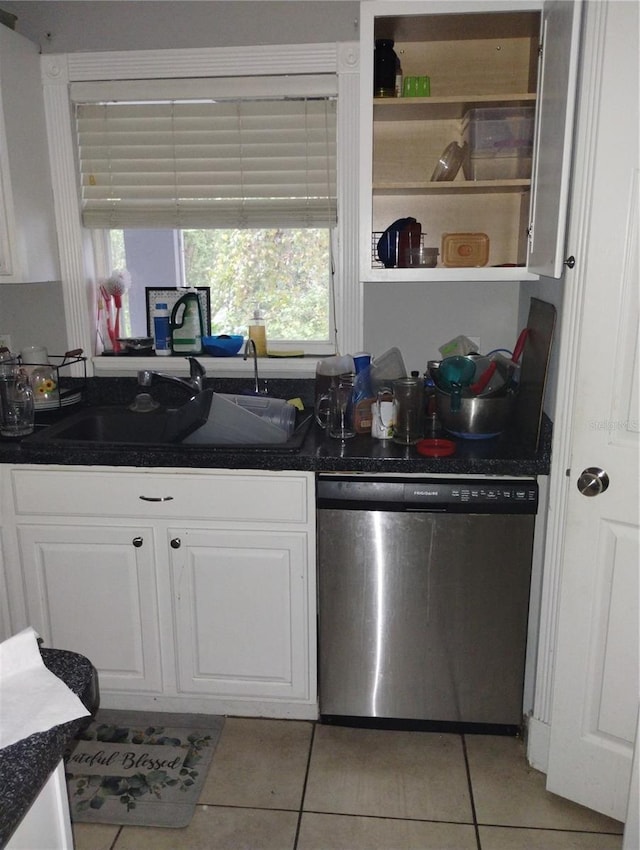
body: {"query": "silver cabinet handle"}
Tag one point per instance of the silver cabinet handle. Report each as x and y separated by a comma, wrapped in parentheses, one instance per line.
(156, 498)
(176, 543)
(137, 542)
(593, 481)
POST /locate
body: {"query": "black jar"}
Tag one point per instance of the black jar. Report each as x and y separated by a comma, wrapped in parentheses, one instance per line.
(385, 63)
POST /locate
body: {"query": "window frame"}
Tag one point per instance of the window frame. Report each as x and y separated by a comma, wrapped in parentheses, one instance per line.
(80, 259)
(319, 348)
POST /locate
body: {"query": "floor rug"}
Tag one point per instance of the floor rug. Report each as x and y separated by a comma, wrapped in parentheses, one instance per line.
(140, 769)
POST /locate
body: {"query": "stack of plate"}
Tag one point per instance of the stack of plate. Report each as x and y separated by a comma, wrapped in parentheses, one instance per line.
(55, 404)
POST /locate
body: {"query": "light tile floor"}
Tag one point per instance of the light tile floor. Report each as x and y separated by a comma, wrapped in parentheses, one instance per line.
(294, 785)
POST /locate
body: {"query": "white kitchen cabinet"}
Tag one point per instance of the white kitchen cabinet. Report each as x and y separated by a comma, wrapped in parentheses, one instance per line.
(92, 589)
(477, 55)
(187, 590)
(240, 612)
(5, 627)
(47, 824)
(28, 241)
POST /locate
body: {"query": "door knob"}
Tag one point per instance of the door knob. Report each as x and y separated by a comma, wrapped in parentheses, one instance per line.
(137, 542)
(176, 543)
(593, 481)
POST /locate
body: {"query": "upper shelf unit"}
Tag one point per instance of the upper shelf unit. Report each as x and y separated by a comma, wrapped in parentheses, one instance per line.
(476, 61)
(441, 108)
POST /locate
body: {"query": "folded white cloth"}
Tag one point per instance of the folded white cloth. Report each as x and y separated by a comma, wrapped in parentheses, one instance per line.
(32, 699)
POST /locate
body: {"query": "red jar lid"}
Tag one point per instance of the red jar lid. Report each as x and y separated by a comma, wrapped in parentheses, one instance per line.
(436, 447)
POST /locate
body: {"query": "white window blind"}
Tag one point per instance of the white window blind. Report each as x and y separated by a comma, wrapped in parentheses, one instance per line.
(207, 163)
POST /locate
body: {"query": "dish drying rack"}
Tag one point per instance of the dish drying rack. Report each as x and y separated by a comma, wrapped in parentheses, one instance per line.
(376, 262)
(70, 388)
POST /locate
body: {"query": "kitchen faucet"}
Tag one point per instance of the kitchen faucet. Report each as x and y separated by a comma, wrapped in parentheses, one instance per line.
(194, 383)
(250, 346)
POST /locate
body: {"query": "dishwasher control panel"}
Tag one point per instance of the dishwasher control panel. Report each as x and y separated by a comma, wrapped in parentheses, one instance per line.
(472, 493)
(445, 495)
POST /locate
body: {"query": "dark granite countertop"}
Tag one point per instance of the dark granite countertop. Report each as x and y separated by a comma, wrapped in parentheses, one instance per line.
(26, 765)
(503, 455)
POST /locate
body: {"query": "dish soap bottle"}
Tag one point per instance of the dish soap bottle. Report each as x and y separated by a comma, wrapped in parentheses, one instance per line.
(258, 332)
(187, 325)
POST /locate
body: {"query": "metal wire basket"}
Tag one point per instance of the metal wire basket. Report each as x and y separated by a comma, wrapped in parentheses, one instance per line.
(376, 262)
(54, 387)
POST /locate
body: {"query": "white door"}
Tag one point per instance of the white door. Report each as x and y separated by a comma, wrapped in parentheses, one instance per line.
(595, 693)
(554, 135)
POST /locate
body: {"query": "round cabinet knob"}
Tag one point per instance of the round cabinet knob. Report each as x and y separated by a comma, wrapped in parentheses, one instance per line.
(593, 481)
(176, 543)
(137, 542)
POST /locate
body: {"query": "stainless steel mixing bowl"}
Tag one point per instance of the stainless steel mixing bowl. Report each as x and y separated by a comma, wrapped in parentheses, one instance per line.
(478, 418)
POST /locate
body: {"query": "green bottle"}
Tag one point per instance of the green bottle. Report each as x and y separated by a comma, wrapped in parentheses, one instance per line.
(187, 326)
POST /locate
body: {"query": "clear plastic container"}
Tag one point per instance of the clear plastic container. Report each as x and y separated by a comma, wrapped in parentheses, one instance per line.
(277, 411)
(507, 129)
(245, 420)
(501, 165)
(386, 368)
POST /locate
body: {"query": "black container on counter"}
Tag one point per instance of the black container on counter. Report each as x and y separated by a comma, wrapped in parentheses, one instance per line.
(385, 63)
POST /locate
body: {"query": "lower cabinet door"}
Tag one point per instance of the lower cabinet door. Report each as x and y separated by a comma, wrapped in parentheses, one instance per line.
(241, 613)
(92, 590)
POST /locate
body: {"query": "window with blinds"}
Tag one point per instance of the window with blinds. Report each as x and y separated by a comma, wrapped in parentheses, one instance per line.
(227, 162)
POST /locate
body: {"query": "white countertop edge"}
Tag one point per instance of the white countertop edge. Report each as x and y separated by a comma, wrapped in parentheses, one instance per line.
(217, 367)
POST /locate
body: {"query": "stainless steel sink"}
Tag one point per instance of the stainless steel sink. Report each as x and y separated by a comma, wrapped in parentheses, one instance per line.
(103, 426)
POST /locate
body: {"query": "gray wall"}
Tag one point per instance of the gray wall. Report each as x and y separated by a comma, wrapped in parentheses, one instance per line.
(417, 318)
(33, 314)
(59, 26)
(420, 317)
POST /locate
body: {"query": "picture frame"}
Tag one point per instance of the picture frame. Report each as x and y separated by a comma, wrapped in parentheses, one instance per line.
(170, 295)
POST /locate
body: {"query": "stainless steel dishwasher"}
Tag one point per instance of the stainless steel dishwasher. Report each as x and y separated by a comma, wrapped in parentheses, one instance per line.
(423, 600)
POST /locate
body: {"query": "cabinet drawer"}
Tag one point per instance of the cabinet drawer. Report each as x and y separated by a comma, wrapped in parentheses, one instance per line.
(241, 496)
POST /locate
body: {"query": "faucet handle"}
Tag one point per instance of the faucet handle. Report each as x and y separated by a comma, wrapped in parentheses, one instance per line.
(197, 372)
(145, 377)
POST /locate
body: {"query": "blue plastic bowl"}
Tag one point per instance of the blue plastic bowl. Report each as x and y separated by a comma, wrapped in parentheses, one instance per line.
(223, 345)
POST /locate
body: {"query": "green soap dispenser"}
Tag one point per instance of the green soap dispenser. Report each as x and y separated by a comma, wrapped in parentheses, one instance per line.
(187, 325)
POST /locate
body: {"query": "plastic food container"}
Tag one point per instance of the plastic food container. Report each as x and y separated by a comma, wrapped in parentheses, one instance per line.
(449, 163)
(470, 250)
(500, 166)
(277, 411)
(503, 129)
(245, 420)
(386, 368)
